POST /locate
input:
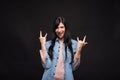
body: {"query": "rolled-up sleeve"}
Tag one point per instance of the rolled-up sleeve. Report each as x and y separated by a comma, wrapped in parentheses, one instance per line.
(76, 61)
(46, 61)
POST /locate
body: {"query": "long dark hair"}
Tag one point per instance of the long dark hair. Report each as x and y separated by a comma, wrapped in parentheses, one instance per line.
(67, 38)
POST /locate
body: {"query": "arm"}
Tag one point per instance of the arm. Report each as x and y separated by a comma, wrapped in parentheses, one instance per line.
(77, 55)
(46, 62)
(43, 53)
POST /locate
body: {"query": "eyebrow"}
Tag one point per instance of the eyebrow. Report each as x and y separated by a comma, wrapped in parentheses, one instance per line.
(62, 26)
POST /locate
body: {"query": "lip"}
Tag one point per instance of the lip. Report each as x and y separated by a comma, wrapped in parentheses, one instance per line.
(60, 33)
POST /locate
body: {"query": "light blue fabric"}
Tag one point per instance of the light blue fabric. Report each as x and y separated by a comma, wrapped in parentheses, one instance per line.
(49, 67)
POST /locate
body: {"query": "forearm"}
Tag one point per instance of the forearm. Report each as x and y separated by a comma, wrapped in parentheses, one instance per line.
(43, 47)
(46, 62)
(78, 53)
(76, 59)
(43, 55)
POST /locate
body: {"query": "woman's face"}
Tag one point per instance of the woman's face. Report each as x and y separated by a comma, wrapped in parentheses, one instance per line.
(60, 30)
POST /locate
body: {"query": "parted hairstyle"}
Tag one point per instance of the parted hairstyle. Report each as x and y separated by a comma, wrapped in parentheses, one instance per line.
(67, 38)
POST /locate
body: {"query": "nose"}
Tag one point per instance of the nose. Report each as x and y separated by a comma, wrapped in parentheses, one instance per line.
(59, 30)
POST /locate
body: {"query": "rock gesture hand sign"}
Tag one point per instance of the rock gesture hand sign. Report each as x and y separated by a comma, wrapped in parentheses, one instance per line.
(42, 40)
(81, 43)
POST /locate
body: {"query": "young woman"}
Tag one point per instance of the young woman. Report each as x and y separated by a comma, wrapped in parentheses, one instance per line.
(61, 55)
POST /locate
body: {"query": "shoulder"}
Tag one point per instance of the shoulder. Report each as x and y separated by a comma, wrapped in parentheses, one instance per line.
(74, 44)
(48, 43)
(74, 41)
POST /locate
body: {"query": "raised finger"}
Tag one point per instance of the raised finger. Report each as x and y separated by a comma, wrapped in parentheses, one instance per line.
(46, 35)
(77, 38)
(86, 43)
(40, 33)
(84, 38)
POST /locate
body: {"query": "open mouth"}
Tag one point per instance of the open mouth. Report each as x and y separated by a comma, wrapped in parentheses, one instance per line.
(60, 34)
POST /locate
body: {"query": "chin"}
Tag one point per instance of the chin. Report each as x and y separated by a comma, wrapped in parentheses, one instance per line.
(60, 37)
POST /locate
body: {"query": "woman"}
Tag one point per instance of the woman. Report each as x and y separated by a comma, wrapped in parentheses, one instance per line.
(61, 55)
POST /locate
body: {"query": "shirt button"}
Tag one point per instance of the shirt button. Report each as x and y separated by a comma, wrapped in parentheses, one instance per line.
(53, 73)
(57, 57)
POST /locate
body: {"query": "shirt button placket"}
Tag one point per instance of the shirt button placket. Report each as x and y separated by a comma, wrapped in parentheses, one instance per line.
(55, 65)
(57, 57)
(59, 49)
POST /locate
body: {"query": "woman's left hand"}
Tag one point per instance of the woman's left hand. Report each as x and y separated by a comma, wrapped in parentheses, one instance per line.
(81, 43)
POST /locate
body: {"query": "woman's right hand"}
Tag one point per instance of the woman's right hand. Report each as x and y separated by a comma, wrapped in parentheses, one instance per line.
(42, 38)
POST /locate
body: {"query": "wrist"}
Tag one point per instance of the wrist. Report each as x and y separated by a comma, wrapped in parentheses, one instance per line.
(79, 49)
(77, 56)
(43, 47)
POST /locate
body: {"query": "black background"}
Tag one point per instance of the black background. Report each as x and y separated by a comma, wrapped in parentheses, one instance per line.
(22, 20)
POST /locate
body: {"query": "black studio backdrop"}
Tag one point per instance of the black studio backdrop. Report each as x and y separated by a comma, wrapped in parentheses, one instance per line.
(21, 22)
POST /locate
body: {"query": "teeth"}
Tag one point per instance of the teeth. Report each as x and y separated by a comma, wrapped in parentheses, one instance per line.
(60, 34)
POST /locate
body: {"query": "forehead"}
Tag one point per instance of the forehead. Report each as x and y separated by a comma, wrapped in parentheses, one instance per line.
(61, 25)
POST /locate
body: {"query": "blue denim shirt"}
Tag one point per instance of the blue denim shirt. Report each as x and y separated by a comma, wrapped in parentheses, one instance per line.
(50, 66)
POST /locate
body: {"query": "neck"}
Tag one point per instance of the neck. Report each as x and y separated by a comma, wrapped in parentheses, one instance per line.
(61, 40)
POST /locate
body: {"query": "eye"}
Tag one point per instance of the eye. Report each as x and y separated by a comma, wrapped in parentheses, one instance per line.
(61, 26)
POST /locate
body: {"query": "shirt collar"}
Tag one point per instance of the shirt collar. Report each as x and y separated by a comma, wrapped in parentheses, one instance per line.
(57, 40)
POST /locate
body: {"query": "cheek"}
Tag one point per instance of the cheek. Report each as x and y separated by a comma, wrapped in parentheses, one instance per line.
(56, 31)
(63, 30)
